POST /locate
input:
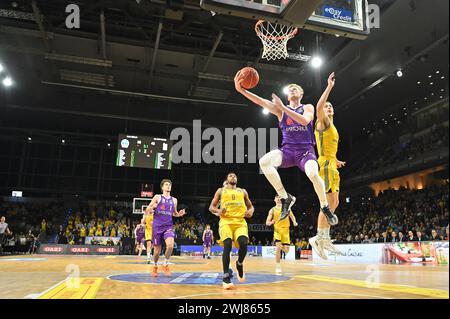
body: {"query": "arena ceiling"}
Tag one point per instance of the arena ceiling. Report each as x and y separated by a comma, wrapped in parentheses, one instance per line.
(149, 66)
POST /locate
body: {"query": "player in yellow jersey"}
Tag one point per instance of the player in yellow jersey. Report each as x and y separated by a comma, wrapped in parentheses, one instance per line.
(281, 234)
(327, 140)
(148, 221)
(235, 207)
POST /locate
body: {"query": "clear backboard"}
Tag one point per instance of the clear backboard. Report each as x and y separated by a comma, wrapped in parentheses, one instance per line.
(140, 204)
(348, 18)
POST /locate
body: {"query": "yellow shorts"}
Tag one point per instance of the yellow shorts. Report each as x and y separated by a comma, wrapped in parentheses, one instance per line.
(232, 231)
(330, 174)
(282, 235)
(148, 234)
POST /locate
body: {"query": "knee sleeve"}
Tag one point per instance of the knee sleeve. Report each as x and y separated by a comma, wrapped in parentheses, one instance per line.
(271, 159)
(227, 245)
(243, 241)
(311, 169)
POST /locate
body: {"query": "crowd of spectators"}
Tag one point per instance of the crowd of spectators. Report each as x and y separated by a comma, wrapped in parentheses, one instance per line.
(405, 151)
(35, 223)
(94, 222)
(393, 216)
(31, 223)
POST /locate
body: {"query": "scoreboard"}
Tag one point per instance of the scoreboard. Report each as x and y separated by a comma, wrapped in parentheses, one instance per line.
(144, 152)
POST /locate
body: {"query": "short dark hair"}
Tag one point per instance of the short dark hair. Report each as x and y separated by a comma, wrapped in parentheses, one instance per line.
(226, 178)
(165, 181)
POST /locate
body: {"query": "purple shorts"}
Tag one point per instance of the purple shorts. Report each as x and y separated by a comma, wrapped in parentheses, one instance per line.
(207, 244)
(297, 156)
(140, 240)
(160, 234)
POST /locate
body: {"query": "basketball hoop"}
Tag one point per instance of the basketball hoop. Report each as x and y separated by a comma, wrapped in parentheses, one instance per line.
(274, 37)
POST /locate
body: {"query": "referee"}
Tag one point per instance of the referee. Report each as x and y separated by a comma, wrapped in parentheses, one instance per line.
(4, 230)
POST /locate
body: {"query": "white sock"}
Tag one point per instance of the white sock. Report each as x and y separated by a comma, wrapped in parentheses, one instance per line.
(323, 233)
(312, 171)
(269, 164)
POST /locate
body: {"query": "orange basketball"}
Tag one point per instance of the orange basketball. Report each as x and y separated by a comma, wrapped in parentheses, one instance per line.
(251, 78)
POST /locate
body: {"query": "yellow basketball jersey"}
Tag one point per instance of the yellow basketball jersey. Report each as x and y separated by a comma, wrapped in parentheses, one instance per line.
(327, 141)
(233, 201)
(149, 221)
(285, 223)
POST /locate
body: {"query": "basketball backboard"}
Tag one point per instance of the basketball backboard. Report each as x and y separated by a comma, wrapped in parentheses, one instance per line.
(347, 18)
(140, 205)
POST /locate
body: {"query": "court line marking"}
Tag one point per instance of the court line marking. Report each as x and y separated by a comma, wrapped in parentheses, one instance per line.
(198, 272)
(22, 259)
(36, 296)
(87, 289)
(435, 293)
(300, 292)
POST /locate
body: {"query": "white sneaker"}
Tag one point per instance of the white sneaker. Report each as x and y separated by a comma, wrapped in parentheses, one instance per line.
(315, 244)
(328, 245)
(278, 271)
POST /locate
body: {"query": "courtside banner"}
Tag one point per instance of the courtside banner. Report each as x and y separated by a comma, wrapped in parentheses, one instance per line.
(78, 250)
(270, 251)
(52, 249)
(417, 252)
(216, 250)
(356, 253)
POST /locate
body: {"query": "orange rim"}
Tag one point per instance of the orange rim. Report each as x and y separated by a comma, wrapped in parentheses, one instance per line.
(269, 37)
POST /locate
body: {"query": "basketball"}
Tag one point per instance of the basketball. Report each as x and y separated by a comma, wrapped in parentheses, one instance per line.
(251, 78)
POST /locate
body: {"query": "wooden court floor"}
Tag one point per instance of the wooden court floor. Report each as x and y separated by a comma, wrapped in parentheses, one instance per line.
(123, 277)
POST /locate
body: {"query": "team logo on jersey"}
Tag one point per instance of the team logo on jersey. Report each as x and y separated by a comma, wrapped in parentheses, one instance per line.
(163, 207)
(289, 121)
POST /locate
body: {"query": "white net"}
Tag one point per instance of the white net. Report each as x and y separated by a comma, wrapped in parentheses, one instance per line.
(274, 37)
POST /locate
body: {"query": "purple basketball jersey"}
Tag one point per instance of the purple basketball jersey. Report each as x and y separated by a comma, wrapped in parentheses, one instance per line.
(295, 134)
(208, 236)
(140, 231)
(163, 213)
(140, 234)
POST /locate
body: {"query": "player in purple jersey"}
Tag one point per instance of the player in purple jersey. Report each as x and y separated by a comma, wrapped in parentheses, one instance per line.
(139, 233)
(164, 208)
(208, 240)
(298, 146)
